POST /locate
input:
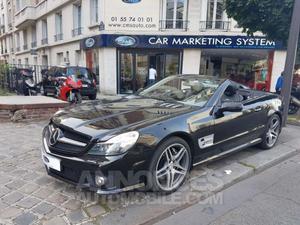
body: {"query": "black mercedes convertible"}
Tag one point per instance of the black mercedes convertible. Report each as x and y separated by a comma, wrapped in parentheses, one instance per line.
(155, 137)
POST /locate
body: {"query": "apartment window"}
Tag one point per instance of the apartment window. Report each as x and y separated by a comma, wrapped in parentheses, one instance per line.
(2, 25)
(19, 62)
(215, 16)
(175, 14)
(18, 41)
(94, 11)
(26, 62)
(25, 47)
(59, 58)
(33, 35)
(44, 32)
(77, 20)
(58, 27)
(77, 57)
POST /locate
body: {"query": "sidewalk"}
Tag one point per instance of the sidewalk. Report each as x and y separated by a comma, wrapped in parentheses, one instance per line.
(272, 197)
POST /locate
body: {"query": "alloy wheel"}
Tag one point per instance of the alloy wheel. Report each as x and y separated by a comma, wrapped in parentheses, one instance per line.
(172, 167)
(273, 132)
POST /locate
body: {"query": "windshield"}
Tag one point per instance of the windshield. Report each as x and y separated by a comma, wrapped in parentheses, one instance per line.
(191, 90)
(81, 72)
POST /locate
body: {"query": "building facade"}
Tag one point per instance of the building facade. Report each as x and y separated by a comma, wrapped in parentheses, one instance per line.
(121, 39)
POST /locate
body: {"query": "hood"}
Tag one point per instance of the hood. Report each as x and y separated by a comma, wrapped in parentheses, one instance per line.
(104, 117)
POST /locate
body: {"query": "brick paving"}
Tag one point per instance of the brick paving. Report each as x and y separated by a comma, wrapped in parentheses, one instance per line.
(27, 194)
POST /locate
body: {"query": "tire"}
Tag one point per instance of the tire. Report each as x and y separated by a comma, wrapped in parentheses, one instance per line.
(271, 135)
(293, 109)
(93, 97)
(78, 98)
(162, 173)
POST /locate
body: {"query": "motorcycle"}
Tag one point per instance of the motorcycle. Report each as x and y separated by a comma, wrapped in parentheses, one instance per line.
(68, 89)
(295, 100)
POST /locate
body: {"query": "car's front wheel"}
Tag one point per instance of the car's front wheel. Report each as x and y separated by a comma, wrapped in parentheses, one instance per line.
(170, 165)
(272, 133)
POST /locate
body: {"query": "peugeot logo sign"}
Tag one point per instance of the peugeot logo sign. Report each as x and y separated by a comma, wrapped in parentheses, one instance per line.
(131, 1)
(90, 42)
(125, 41)
(55, 136)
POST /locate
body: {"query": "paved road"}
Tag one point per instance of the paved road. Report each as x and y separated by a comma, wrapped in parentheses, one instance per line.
(29, 196)
(272, 197)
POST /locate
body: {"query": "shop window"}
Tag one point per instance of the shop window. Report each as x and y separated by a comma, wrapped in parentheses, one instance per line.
(174, 15)
(126, 73)
(172, 64)
(216, 16)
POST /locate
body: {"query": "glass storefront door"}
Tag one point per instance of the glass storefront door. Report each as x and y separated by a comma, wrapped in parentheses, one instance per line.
(142, 67)
(126, 73)
(134, 65)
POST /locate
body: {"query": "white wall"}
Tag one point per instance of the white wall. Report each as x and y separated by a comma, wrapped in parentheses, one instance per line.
(191, 61)
(278, 67)
(108, 70)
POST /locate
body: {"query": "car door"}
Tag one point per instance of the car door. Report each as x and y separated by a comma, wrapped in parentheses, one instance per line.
(235, 128)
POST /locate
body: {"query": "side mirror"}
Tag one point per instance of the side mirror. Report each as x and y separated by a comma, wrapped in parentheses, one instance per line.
(230, 107)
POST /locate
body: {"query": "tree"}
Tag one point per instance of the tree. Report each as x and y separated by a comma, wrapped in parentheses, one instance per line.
(271, 17)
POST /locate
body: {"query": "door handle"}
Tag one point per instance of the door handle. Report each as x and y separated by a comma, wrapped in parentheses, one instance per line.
(258, 108)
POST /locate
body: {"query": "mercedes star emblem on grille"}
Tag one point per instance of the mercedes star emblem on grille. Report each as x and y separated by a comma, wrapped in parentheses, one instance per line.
(55, 136)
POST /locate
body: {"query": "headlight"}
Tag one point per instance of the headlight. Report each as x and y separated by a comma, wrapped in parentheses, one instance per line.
(116, 145)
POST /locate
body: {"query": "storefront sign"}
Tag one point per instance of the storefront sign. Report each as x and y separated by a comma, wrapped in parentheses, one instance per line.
(131, 15)
(169, 42)
(131, 1)
(125, 41)
(90, 42)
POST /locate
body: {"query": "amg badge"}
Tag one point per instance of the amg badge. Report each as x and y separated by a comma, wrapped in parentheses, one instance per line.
(206, 141)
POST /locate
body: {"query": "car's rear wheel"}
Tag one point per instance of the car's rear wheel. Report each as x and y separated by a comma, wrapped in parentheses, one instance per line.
(293, 109)
(170, 166)
(93, 96)
(273, 130)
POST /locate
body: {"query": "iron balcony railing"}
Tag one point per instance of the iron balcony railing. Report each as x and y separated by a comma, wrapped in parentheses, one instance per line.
(77, 31)
(33, 44)
(217, 25)
(44, 41)
(174, 24)
(58, 37)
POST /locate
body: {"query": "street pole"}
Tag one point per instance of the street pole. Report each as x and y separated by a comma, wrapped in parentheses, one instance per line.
(290, 59)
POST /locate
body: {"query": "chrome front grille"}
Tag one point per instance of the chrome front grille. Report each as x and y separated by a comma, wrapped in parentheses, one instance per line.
(66, 142)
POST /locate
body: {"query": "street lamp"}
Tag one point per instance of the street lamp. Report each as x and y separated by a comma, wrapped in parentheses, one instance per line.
(290, 59)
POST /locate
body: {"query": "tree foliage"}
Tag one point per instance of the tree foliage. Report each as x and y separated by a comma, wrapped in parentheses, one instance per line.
(271, 17)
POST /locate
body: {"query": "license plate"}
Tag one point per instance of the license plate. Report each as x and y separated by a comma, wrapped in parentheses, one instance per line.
(84, 85)
(52, 162)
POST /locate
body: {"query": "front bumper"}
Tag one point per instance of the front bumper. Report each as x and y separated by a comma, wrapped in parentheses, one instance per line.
(82, 172)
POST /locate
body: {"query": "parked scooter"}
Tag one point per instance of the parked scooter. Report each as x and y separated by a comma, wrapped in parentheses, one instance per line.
(32, 89)
(26, 85)
(295, 100)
